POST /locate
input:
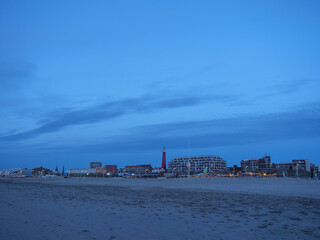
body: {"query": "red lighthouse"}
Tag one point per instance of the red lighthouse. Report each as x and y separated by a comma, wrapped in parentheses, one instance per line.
(164, 163)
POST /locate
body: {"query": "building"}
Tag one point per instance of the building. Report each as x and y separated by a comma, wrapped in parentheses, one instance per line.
(95, 164)
(41, 171)
(301, 168)
(83, 171)
(257, 165)
(282, 167)
(234, 170)
(17, 172)
(138, 169)
(197, 164)
(110, 168)
(302, 164)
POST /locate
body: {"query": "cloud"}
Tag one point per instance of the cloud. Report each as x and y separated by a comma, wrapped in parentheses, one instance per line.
(14, 74)
(110, 110)
(243, 130)
(286, 88)
(272, 91)
(267, 128)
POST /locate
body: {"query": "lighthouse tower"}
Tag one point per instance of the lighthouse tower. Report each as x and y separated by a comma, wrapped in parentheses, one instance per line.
(164, 163)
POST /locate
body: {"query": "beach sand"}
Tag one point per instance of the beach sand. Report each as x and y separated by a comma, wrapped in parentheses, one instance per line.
(193, 208)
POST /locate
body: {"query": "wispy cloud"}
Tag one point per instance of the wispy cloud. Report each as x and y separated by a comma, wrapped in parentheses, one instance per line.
(110, 110)
(274, 90)
(286, 87)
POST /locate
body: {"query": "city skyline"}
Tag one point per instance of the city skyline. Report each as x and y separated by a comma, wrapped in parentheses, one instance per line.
(115, 82)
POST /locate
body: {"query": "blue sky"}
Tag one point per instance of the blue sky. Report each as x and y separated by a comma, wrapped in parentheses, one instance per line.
(115, 81)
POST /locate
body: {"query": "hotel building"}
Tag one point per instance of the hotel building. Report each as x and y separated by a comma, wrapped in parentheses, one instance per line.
(256, 165)
(138, 169)
(198, 164)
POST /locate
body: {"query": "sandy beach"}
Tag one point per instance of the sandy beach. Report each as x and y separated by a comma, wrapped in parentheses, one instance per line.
(195, 208)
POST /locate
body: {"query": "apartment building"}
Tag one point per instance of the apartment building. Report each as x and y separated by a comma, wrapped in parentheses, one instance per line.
(197, 164)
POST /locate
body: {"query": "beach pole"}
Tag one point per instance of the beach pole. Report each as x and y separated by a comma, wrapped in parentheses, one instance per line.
(188, 157)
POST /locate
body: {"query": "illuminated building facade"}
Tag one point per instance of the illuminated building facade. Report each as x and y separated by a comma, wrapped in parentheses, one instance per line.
(256, 165)
(302, 164)
(41, 171)
(197, 164)
(110, 168)
(83, 171)
(138, 169)
(95, 164)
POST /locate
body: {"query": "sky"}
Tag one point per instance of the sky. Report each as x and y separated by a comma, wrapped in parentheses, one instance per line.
(115, 81)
